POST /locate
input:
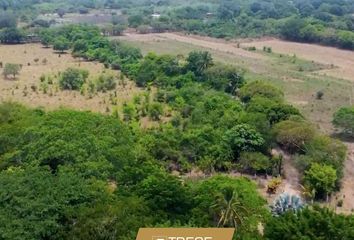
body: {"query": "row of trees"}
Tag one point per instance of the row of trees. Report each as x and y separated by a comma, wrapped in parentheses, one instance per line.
(327, 22)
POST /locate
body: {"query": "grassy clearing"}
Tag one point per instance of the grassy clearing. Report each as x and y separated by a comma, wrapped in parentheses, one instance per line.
(29, 90)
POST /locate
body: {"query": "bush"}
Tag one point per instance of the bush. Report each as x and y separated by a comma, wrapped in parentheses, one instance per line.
(73, 79)
(61, 44)
(155, 111)
(254, 162)
(321, 178)
(319, 95)
(11, 36)
(11, 69)
(293, 134)
(106, 82)
(261, 89)
(344, 119)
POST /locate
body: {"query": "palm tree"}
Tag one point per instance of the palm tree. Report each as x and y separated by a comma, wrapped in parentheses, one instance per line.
(229, 209)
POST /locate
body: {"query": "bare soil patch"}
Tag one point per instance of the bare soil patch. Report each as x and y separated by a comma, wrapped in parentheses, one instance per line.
(346, 193)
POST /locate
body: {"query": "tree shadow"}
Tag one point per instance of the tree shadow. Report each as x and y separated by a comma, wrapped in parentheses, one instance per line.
(60, 53)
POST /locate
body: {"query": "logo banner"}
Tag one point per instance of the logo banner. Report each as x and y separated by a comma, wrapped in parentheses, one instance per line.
(185, 234)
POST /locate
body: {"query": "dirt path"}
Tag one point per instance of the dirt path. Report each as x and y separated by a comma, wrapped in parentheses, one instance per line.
(347, 191)
(211, 43)
(291, 181)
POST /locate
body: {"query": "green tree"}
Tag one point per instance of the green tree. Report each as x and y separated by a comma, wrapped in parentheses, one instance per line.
(155, 111)
(321, 178)
(118, 220)
(106, 82)
(313, 223)
(135, 20)
(243, 137)
(229, 209)
(11, 69)
(344, 119)
(198, 62)
(11, 36)
(7, 20)
(46, 39)
(325, 150)
(225, 78)
(129, 112)
(275, 111)
(219, 191)
(73, 79)
(61, 44)
(165, 194)
(36, 204)
(293, 134)
(254, 162)
(292, 28)
(260, 89)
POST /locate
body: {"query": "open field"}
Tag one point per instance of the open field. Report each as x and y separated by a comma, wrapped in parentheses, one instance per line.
(20, 89)
(342, 59)
(300, 76)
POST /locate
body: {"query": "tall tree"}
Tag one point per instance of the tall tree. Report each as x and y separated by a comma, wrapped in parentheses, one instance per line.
(198, 62)
(229, 209)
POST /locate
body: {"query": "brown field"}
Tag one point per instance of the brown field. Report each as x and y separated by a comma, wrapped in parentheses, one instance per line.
(342, 59)
(213, 44)
(19, 89)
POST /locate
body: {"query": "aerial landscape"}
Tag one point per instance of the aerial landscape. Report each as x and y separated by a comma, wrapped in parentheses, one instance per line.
(117, 115)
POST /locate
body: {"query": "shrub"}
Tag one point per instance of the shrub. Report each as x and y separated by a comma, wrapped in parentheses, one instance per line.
(344, 119)
(262, 89)
(155, 111)
(293, 134)
(319, 95)
(73, 79)
(11, 69)
(254, 162)
(273, 185)
(106, 82)
(321, 178)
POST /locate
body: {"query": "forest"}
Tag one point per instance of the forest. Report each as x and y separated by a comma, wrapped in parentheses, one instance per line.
(327, 22)
(70, 174)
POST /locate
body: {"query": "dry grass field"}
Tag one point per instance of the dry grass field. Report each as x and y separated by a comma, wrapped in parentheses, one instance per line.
(20, 89)
(342, 59)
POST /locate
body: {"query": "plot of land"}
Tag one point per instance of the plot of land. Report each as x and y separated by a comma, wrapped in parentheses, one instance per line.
(299, 77)
(342, 59)
(20, 89)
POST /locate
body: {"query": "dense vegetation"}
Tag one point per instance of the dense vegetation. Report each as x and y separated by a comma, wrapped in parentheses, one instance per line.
(326, 22)
(316, 21)
(79, 175)
(66, 174)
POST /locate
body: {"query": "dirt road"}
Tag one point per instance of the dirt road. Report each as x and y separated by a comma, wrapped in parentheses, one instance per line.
(347, 191)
